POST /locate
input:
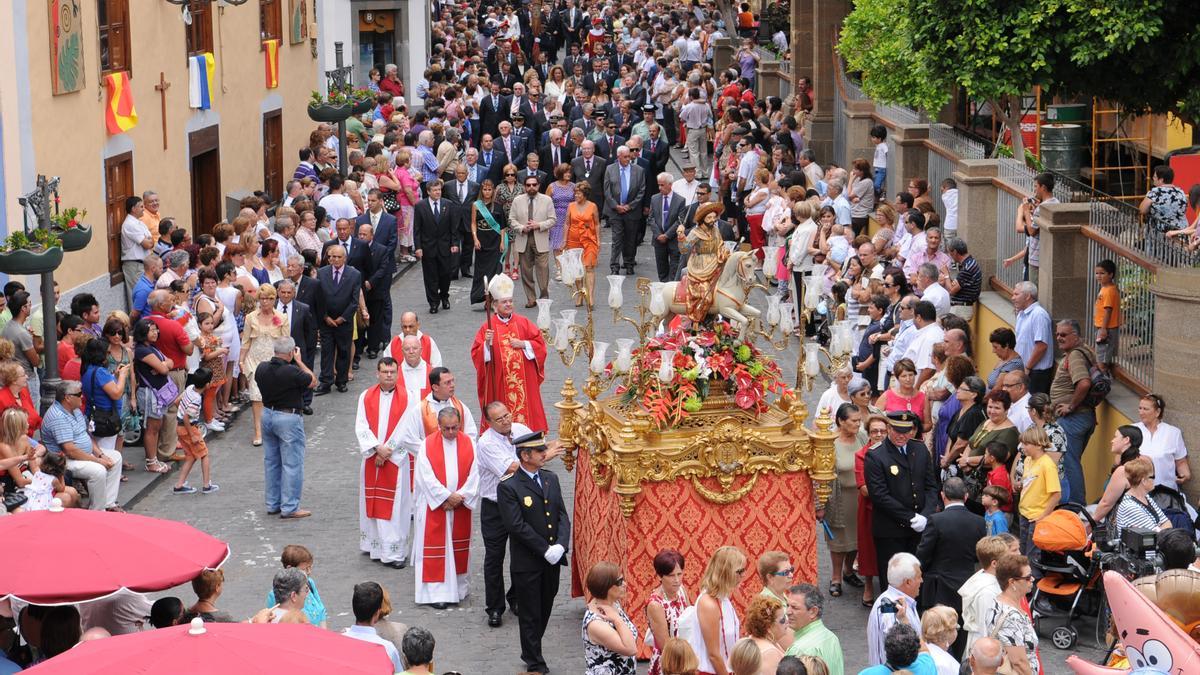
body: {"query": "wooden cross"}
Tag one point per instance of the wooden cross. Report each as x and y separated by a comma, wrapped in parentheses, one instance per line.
(162, 88)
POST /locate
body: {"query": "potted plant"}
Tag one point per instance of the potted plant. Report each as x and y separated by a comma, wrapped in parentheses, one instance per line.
(35, 252)
(68, 225)
(339, 104)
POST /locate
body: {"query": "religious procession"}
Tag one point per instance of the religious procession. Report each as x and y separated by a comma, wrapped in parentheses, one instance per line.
(834, 406)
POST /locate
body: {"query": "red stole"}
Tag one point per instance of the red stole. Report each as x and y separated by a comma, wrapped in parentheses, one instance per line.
(397, 352)
(434, 551)
(426, 347)
(429, 421)
(379, 482)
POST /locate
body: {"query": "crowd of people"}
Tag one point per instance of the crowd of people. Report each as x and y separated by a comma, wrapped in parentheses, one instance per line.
(527, 136)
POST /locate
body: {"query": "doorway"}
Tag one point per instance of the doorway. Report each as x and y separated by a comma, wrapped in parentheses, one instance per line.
(273, 154)
(376, 42)
(205, 151)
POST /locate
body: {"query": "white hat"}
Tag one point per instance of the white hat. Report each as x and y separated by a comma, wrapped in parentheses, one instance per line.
(501, 287)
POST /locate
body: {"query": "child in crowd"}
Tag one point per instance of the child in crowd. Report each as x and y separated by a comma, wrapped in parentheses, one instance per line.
(295, 555)
(879, 163)
(1107, 314)
(950, 201)
(995, 459)
(1040, 489)
(191, 403)
(46, 474)
(212, 357)
(995, 497)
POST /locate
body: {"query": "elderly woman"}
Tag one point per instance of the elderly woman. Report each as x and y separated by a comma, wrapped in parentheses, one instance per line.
(1009, 623)
(263, 325)
(775, 571)
(290, 588)
(14, 392)
(939, 629)
(1165, 205)
(665, 605)
(995, 427)
(877, 427)
(842, 510)
(1004, 346)
(306, 237)
(715, 626)
(860, 395)
(1136, 509)
(766, 623)
(970, 415)
(609, 636)
(838, 392)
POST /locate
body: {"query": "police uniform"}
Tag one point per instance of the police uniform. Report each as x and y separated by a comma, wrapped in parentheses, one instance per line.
(901, 484)
(536, 519)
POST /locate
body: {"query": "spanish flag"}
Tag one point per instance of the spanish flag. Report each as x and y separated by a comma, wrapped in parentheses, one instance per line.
(201, 82)
(119, 114)
(271, 55)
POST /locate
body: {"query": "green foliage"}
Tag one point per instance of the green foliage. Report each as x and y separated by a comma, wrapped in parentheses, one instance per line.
(877, 41)
(36, 240)
(1031, 160)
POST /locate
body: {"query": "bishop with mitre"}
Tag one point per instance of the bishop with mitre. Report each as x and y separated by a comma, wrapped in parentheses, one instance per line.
(510, 359)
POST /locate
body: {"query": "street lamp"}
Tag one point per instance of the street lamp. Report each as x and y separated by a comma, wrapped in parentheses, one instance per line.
(38, 201)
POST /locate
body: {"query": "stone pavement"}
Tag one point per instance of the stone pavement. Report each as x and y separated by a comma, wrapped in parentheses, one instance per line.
(465, 643)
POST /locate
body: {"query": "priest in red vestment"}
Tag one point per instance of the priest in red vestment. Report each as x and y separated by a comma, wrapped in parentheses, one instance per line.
(510, 358)
(385, 498)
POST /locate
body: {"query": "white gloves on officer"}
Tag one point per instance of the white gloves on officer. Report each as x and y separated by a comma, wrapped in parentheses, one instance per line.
(554, 554)
(918, 523)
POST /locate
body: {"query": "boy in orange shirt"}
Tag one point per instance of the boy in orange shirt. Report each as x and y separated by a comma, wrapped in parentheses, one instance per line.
(1106, 316)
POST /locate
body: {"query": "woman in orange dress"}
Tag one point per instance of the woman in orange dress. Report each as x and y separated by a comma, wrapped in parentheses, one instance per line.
(583, 231)
(876, 431)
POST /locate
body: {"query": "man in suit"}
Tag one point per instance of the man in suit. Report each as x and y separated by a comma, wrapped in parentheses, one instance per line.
(665, 207)
(590, 168)
(340, 285)
(435, 234)
(382, 223)
(607, 146)
(493, 110)
(523, 137)
(947, 548)
(531, 216)
(303, 326)
(586, 121)
(572, 21)
(556, 151)
(635, 146)
(657, 150)
(624, 182)
(533, 167)
(308, 290)
(539, 536)
(505, 77)
(462, 193)
(493, 158)
(510, 145)
(902, 487)
(476, 172)
(377, 289)
(355, 250)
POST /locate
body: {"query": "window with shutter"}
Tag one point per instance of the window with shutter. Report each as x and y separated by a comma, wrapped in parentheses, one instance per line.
(113, 22)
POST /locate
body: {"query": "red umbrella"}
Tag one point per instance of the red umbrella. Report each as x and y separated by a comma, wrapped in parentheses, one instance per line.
(243, 648)
(74, 555)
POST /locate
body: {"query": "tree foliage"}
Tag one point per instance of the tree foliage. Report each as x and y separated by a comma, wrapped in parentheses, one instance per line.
(1142, 54)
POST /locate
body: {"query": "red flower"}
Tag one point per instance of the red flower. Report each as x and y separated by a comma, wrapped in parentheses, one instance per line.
(276, 320)
(72, 223)
(706, 339)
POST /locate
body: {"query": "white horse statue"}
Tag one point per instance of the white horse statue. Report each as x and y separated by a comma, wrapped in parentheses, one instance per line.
(729, 298)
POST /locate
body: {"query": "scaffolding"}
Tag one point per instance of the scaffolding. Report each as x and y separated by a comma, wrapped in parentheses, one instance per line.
(1117, 153)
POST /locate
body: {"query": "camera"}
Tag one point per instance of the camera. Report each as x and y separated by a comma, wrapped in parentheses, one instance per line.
(1134, 554)
(887, 606)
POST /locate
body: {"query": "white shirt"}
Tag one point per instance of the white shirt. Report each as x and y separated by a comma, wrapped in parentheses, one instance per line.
(920, 350)
(1163, 447)
(938, 296)
(1018, 413)
(946, 665)
(339, 206)
(368, 440)
(369, 634)
(133, 233)
(286, 310)
(286, 250)
(950, 201)
(493, 455)
(879, 623)
(879, 161)
(686, 190)
(415, 378)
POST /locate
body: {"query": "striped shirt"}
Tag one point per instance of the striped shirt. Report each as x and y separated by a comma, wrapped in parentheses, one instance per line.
(1132, 513)
(970, 282)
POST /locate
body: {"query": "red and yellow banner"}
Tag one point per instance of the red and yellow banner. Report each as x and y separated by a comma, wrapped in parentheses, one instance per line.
(271, 56)
(119, 114)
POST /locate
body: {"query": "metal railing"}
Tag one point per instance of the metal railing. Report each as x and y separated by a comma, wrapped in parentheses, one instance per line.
(1009, 242)
(1135, 277)
(956, 142)
(900, 114)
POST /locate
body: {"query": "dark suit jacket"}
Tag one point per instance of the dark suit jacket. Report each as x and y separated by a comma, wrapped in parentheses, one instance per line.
(536, 519)
(565, 153)
(900, 486)
(612, 187)
(671, 226)
(462, 208)
(381, 269)
(609, 150)
(947, 554)
(490, 116)
(661, 155)
(435, 236)
(495, 167)
(304, 329)
(342, 299)
(543, 178)
(357, 257)
(595, 178)
(385, 233)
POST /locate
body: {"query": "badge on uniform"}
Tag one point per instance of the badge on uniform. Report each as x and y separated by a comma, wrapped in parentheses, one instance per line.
(529, 500)
(895, 471)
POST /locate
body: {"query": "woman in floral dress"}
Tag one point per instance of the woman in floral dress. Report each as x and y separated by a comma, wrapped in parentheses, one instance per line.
(506, 192)
(562, 191)
(609, 636)
(263, 325)
(665, 605)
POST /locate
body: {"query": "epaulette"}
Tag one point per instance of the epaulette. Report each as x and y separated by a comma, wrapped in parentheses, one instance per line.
(506, 477)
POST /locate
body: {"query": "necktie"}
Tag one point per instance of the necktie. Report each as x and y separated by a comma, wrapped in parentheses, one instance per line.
(496, 102)
(652, 144)
(284, 309)
(588, 164)
(556, 156)
(537, 478)
(462, 193)
(666, 212)
(435, 210)
(624, 184)
(487, 157)
(337, 276)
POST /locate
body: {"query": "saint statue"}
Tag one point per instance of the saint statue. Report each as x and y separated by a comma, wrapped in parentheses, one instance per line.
(706, 260)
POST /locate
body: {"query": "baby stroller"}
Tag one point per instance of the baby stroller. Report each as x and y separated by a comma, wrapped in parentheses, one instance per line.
(1174, 507)
(1071, 583)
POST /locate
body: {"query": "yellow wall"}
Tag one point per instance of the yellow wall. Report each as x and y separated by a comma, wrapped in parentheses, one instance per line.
(1097, 461)
(70, 137)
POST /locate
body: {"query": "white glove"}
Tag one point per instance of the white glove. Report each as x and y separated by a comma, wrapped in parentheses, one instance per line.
(918, 523)
(554, 554)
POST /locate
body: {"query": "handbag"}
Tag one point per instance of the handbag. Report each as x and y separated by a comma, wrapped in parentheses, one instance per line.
(165, 395)
(105, 422)
(1006, 667)
(391, 203)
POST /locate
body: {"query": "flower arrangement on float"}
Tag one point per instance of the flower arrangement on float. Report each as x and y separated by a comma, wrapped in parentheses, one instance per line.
(673, 373)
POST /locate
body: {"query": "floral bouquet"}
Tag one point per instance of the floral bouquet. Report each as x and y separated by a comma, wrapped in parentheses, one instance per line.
(673, 373)
(69, 218)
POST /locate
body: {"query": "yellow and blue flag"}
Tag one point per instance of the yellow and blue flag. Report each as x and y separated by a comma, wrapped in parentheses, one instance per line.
(201, 80)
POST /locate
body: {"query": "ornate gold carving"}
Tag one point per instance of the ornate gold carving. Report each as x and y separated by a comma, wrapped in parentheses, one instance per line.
(567, 425)
(720, 442)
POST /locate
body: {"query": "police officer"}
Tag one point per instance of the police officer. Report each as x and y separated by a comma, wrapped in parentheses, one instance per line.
(902, 487)
(539, 533)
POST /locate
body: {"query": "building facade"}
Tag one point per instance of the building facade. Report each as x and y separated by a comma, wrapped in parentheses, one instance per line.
(212, 124)
(373, 34)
